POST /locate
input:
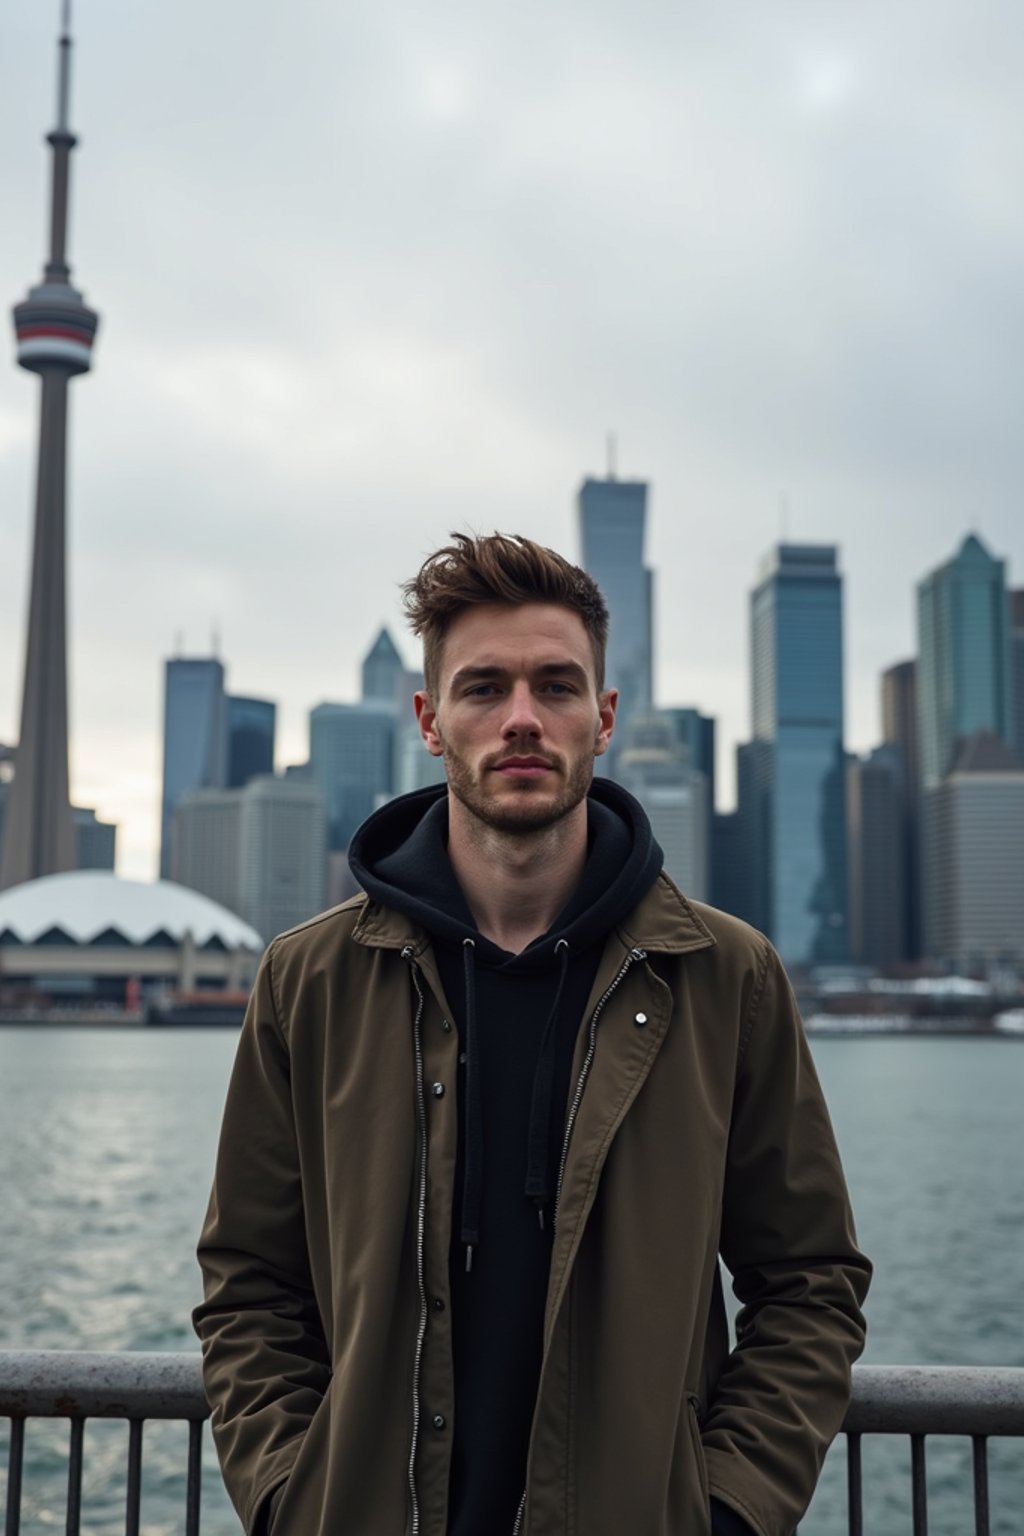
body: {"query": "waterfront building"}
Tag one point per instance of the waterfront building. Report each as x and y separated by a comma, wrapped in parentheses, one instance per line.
(195, 738)
(695, 733)
(1017, 671)
(796, 802)
(899, 733)
(726, 875)
(351, 754)
(251, 728)
(205, 844)
(55, 330)
(654, 768)
(752, 848)
(92, 937)
(877, 858)
(963, 687)
(260, 851)
(612, 522)
(283, 840)
(978, 858)
(95, 840)
(963, 678)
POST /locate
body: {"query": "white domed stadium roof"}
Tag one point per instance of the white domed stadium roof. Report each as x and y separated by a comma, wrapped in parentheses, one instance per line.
(87, 903)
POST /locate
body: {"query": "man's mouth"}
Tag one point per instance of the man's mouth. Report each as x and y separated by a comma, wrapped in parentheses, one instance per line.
(523, 767)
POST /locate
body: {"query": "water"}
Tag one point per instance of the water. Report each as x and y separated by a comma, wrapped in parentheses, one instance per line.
(107, 1140)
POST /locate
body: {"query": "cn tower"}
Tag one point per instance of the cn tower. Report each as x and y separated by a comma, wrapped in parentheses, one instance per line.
(55, 331)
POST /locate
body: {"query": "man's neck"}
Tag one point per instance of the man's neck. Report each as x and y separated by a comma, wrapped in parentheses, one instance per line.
(515, 884)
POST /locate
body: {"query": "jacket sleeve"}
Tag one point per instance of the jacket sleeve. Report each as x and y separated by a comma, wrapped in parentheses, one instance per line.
(788, 1240)
(265, 1360)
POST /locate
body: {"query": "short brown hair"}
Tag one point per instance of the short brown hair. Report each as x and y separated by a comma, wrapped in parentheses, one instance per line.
(497, 568)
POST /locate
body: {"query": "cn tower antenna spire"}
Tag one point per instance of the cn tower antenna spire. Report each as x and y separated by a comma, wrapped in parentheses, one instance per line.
(55, 329)
(64, 71)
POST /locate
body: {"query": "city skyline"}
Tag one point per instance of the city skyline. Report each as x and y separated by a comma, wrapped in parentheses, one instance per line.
(520, 258)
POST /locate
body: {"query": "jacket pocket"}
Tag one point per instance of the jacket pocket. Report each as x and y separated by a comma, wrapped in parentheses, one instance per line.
(297, 1504)
(693, 1420)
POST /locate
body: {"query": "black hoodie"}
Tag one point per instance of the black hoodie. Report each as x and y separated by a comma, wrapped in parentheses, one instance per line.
(518, 1017)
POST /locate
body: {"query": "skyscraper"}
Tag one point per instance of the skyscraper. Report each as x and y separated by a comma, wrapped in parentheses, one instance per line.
(194, 739)
(963, 687)
(654, 766)
(259, 850)
(878, 909)
(383, 673)
(613, 515)
(55, 331)
(976, 908)
(1017, 670)
(963, 678)
(799, 838)
(899, 732)
(251, 727)
(351, 756)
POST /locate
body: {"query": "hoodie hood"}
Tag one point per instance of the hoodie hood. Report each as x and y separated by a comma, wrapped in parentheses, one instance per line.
(400, 857)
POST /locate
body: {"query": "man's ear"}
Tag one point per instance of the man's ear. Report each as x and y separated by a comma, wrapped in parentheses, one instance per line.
(426, 719)
(607, 703)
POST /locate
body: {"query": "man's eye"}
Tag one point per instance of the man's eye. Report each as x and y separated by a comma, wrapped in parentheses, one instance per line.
(481, 691)
(558, 688)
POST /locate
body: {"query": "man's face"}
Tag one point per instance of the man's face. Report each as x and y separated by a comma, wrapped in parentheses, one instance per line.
(518, 718)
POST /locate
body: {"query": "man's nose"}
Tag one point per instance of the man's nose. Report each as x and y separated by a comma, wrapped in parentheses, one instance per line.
(521, 716)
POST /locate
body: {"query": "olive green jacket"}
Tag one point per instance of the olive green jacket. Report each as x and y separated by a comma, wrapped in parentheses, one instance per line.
(695, 1127)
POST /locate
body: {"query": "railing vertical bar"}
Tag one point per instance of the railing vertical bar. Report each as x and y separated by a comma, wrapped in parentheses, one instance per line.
(131, 1518)
(15, 1458)
(920, 1485)
(854, 1486)
(980, 1447)
(74, 1519)
(195, 1472)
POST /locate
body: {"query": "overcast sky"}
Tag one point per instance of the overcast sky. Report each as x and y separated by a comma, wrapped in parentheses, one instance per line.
(371, 272)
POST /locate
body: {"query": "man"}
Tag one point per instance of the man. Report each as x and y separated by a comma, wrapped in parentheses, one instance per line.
(490, 1126)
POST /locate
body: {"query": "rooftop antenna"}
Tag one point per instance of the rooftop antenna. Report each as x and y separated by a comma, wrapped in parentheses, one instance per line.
(215, 640)
(611, 449)
(784, 516)
(179, 642)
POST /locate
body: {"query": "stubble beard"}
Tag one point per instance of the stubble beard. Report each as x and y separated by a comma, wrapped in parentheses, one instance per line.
(530, 809)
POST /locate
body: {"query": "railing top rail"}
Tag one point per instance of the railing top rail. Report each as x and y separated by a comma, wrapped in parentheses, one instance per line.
(937, 1400)
(887, 1399)
(56, 1383)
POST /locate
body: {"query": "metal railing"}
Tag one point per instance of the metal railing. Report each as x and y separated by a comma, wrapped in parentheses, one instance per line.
(75, 1385)
(980, 1402)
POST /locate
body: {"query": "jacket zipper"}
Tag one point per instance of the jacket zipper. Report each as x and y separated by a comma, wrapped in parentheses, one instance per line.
(577, 1099)
(581, 1081)
(408, 954)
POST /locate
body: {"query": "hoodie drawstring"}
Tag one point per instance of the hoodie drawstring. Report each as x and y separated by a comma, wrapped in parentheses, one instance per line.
(538, 1152)
(472, 1178)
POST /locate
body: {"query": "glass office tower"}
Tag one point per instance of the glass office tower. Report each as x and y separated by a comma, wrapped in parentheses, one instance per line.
(195, 738)
(251, 729)
(963, 638)
(351, 757)
(797, 758)
(963, 687)
(613, 516)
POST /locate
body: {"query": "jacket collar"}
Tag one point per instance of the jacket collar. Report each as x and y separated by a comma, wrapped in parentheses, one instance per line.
(663, 920)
